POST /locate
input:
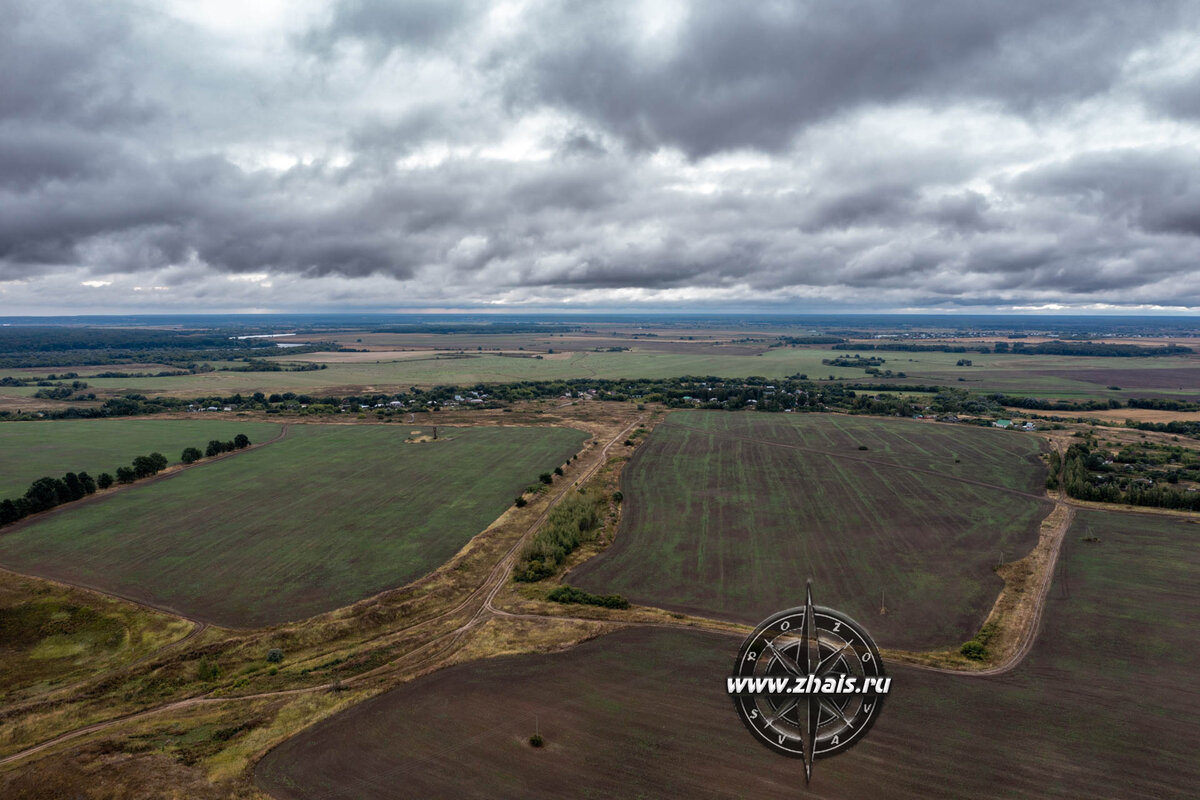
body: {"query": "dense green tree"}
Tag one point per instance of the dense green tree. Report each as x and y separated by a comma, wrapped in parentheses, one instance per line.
(191, 455)
(126, 475)
(143, 467)
(74, 486)
(46, 493)
(89, 483)
(104, 480)
(241, 440)
(9, 513)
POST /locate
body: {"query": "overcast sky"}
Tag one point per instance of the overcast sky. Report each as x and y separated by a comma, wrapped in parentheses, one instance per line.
(781, 156)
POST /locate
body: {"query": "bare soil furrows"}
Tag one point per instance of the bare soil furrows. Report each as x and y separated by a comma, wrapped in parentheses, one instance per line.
(728, 519)
(1098, 709)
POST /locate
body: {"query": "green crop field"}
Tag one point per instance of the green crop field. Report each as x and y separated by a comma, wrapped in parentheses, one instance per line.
(728, 514)
(315, 521)
(1100, 708)
(30, 450)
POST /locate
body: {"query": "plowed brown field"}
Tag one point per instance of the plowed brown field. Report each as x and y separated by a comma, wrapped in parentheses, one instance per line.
(1105, 706)
(727, 515)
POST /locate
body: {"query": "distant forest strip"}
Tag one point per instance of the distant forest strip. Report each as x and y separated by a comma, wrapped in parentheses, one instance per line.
(1055, 348)
(47, 493)
(31, 346)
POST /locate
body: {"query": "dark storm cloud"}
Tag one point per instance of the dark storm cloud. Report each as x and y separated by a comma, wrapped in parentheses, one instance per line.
(57, 64)
(751, 75)
(869, 153)
(383, 25)
(1158, 191)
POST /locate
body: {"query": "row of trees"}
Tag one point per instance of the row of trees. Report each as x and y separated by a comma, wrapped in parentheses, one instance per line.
(47, 493)
(215, 448)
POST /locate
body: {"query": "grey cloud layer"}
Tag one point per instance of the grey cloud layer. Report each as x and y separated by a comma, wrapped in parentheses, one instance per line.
(863, 154)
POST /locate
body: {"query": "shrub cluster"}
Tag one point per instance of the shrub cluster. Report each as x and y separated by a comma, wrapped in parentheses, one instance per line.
(568, 525)
(569, 594)
(976, 648)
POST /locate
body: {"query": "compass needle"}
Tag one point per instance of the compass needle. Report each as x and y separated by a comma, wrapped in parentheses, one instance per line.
(788, 664)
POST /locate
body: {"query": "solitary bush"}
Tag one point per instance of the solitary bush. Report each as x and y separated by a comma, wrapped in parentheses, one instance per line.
(536, 740)
(862, 447)
(520, 502)
(207, 670)
(558, 470)
(618, 495)
(241, 440)
(546, 478)
(274, 655)
(629, 443)
(974, 650)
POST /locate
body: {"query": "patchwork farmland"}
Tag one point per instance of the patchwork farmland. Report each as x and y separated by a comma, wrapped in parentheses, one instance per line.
(615, 710)
(1029, 375)
(30, 450)
(313, 522)
(727, 515)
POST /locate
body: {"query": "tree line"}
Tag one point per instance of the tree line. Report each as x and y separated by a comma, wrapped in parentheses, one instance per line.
(1089, 475)
(1054, 348)
(47, 493)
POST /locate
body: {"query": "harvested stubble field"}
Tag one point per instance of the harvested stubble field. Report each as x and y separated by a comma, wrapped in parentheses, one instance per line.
(1100, 708)
(727, 514)
(30, 450)
(313, 522)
